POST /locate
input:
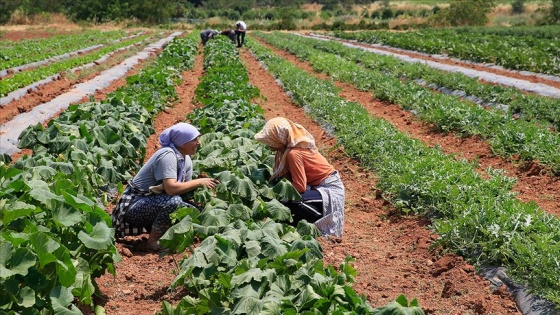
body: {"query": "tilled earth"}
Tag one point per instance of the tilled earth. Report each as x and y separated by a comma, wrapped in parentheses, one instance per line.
(392, 252)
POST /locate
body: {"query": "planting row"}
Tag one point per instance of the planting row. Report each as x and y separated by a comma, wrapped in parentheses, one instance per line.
(448, 113)
(477, 218)
(55, 236)
(510, 51)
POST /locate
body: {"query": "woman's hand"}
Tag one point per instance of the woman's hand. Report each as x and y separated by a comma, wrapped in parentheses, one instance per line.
(173, 187)
(209, 183)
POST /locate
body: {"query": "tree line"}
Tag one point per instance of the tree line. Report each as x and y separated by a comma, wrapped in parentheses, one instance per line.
(145, 11)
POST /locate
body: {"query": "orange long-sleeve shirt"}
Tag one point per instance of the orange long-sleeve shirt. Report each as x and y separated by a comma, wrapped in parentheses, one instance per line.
(307, 168)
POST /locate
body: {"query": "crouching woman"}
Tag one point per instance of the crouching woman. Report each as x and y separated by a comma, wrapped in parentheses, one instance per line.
(319, 184)
(155, 192)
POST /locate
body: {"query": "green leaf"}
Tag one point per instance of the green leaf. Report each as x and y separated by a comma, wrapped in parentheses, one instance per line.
(179, 236)
(278, 212)
(399, 307)
(44, 247)
(284, 190)
(61, 300)
(307, 297)
(65, 269)
(66, 216)
(26, 297)
(214, 217)
(248, 305)
(240, 211)
(15, 211)
(14, 262)
(40, 191)
(253, 249)
(101, 237)
(78, 201)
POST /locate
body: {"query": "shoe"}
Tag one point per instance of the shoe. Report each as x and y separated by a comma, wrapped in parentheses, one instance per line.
(155, 249)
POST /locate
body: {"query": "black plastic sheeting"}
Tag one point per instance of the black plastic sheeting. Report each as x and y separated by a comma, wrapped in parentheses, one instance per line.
(527, 303)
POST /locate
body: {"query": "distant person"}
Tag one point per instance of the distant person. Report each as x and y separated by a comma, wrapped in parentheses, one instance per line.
(240, 30)
(155, 192)
(207, 35)
(229, 33)
(298, 160)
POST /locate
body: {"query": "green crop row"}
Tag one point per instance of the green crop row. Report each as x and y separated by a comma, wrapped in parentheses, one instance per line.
(55, 236)
(507, 136)
(512, 52)
(475, 217)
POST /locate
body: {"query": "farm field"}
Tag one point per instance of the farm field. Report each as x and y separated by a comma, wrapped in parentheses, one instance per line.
(392, 251)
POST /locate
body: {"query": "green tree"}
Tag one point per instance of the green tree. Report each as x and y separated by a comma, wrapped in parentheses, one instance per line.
(7, 7)
(467, 12)
(517, 6)
(555, 12)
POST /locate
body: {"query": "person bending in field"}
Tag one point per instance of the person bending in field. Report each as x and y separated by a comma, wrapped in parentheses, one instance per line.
(154, 193)
(207, 35)
(319, 184)
(240, 30)
(230, 34)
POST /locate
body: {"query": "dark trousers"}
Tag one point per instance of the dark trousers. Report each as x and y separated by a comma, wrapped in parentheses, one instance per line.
(309, 208)
(240, 36)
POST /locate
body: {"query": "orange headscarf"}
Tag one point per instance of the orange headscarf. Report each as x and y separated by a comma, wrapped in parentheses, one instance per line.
(283, 134)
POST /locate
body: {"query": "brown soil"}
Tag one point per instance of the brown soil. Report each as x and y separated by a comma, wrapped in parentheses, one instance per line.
(392, 252)
(31, 34)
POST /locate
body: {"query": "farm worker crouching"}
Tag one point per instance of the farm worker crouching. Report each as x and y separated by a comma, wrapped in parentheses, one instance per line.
(240, 30)
(230, 34)
(319, 184)
(207, 35)
(154, 193)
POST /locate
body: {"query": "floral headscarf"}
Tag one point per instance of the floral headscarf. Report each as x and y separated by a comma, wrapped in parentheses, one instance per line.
(283, 134)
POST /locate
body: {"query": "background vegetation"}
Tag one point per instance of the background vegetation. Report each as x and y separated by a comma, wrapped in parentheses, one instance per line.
(287, 14)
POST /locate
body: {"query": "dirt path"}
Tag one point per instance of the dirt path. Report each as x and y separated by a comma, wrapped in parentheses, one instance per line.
(533, 183)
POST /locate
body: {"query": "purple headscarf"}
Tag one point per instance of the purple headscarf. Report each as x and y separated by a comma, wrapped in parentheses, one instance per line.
(175, 136)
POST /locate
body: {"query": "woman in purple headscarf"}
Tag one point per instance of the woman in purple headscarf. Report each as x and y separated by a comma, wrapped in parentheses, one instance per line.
(154, 193)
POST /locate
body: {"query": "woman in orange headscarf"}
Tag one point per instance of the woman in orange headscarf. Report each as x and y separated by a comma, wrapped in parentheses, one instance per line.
(319, 184)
